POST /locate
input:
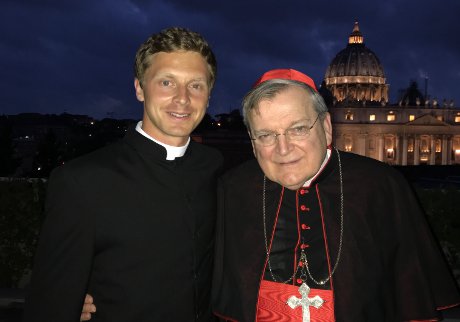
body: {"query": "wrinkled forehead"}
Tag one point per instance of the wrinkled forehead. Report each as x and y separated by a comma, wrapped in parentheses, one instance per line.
(292, 103)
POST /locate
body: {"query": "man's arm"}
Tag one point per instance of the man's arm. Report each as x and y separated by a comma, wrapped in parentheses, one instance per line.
(423, 283)
(64, 255)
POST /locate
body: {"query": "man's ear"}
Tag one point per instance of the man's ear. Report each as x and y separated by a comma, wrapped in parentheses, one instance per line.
(252, 143)
(327, 126)
(139, 90)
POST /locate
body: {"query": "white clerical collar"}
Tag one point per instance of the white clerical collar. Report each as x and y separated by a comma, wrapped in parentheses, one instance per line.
(326, 158)
(172, 152)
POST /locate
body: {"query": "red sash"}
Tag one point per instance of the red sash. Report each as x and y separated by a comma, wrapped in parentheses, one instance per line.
(272, 304)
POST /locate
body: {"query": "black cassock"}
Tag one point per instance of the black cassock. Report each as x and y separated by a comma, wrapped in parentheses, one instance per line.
(134, 230)
(391, 267)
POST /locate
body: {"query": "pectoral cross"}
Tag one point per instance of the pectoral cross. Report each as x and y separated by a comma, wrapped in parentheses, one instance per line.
(305, 302)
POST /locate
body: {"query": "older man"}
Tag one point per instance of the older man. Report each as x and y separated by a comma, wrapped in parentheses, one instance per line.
(310, 233)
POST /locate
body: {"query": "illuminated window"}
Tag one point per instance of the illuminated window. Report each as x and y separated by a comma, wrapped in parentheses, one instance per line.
(439, 117)
(372, 117)
(457, 118)
(349, 116)
(424, 145)
(411, 118)
(456, 147)
(389, 147)
(438, 145)
(391, 117)
(348, 144)
(390, 153)
(410, 145)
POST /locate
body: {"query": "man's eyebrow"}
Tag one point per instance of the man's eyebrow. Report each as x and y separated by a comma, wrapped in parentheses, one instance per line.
(203, 79)
(173, 75)
(298, 122)
(164, 75)
(264, 131)
(291, 125)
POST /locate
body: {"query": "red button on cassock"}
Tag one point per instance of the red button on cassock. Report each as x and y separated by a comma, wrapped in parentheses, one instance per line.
(304, 208)
(303, 191)
(305, 227)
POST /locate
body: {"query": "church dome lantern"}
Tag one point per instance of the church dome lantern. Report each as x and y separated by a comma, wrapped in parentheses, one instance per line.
(356, 74)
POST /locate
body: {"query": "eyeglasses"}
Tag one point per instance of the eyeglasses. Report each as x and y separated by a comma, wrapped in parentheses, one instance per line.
(295, 133)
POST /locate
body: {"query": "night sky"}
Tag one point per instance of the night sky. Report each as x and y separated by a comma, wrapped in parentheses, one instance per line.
(76, 56)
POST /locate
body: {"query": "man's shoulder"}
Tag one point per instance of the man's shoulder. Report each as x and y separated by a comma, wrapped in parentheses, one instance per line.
(247, 171)
(205, 149)
(93, 161)
(370, 169)
(363, 163)
(206, 155)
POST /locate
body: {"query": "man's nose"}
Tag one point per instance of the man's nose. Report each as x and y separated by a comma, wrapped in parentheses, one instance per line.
(182, 95)
(283, 144)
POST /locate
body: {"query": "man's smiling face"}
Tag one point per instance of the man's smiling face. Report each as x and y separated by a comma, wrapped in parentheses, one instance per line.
(175, 91)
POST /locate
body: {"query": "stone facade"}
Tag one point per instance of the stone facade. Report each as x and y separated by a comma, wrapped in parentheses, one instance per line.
(414, 131)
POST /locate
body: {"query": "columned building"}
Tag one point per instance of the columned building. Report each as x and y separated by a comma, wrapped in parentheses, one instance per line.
(414, 131)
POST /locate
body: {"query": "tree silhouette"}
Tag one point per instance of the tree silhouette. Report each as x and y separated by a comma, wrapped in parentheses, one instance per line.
(231, 121)
(48, 156)
(8, 163)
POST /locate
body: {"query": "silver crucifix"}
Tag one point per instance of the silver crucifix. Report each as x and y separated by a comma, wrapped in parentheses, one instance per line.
(305, 302)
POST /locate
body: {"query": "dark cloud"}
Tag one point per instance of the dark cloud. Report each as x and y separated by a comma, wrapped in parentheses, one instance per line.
(77, 56)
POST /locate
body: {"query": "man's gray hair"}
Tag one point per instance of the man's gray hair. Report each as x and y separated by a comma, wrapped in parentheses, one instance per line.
(270, 88)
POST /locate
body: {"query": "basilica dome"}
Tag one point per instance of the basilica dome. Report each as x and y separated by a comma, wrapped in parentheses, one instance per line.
(356, 74)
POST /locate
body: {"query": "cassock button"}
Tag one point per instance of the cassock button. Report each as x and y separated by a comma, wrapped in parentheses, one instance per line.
(303, 246)
(303, 191)
(299, 281)
(304, 208)
(305, 227)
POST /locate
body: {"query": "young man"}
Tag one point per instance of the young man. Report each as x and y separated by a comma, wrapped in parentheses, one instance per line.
(133, 223)
(310, 233)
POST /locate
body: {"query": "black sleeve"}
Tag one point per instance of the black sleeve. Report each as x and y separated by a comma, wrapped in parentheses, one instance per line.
(64, 255)
(218, 248)
(423, 281)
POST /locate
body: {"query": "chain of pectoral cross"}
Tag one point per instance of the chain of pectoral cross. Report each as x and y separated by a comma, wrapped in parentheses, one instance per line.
(304, 301)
